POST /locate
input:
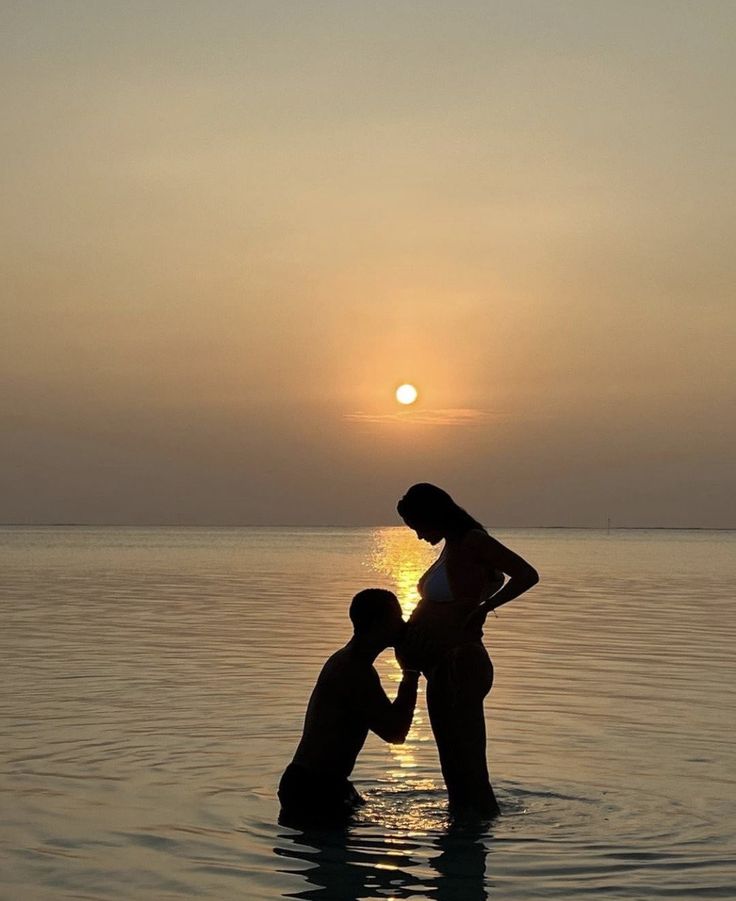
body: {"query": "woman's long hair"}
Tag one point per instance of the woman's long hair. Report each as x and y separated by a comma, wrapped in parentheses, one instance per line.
(427, 504)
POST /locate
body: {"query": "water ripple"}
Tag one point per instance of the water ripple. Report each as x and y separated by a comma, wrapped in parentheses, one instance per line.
(155, 682)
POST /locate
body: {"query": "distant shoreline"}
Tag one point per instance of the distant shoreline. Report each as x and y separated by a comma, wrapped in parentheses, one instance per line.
(169, 525)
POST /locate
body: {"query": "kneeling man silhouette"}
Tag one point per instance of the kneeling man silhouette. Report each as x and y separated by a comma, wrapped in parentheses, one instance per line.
(347, 702)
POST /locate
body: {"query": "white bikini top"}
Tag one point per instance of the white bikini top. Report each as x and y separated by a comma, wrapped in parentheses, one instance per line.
(435, 586)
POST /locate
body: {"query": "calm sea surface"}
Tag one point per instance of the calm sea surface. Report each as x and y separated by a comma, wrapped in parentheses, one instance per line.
(153, 684)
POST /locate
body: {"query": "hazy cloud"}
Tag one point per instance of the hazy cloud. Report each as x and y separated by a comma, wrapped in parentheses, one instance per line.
(459, 416)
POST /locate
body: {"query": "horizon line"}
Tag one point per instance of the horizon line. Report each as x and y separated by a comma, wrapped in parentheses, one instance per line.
(194, 525)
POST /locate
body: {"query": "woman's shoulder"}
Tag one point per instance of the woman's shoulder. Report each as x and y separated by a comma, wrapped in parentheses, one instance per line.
(474, 539)
(471, 547)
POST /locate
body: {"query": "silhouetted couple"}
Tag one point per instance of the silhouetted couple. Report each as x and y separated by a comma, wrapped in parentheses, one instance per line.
(473, 575)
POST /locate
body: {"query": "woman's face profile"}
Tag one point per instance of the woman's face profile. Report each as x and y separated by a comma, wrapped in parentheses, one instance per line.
(426, 531)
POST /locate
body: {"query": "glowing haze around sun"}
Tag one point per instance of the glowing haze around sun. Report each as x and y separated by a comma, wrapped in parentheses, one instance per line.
(406, 394)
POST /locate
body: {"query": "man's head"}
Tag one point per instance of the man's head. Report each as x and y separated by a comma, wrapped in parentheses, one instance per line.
(376, 614)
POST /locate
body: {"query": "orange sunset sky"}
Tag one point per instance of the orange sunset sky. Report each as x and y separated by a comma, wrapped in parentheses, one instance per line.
(230, 230)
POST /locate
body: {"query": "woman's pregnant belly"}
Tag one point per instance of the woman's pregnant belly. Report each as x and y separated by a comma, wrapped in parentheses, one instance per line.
(435, 629)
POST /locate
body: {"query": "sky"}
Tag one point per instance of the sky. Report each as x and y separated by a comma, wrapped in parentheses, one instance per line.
(230, 230)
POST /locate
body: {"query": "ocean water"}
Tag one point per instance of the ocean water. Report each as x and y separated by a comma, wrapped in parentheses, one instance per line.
(153, 684)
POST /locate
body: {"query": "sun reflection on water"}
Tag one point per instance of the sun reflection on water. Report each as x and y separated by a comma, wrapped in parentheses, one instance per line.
(399, 555)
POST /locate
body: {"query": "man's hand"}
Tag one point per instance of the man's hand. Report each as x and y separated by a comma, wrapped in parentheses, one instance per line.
(410, 651)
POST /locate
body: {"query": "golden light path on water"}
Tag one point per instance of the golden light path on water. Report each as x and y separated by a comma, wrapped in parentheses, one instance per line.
(398, 554)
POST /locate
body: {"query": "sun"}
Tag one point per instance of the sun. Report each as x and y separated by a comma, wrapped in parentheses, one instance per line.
(406, 394)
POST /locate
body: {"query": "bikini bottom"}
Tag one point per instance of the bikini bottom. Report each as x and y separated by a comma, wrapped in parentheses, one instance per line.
(465, 672)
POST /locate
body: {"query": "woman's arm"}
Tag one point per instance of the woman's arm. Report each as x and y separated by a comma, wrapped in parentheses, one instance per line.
(494, 555)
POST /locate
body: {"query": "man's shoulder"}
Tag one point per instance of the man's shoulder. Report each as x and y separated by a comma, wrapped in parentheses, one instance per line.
(337, 661)
(344, 668)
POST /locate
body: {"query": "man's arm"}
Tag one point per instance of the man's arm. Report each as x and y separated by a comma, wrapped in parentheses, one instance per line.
(390, 720)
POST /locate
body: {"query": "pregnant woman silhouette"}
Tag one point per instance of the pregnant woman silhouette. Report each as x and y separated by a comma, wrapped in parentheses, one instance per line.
(457, 592)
